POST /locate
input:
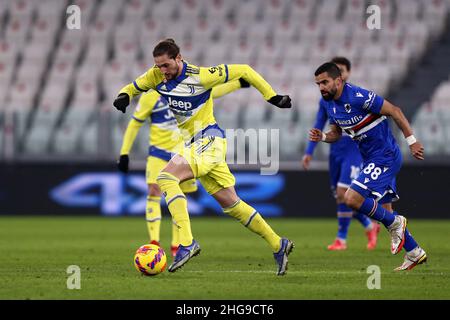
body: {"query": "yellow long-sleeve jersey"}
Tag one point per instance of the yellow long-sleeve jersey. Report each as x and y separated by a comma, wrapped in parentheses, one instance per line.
(189, 95)
(164, 133)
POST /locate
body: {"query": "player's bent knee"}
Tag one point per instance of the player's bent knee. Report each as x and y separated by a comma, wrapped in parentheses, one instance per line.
(353, 200)
(340, 197)
(226, 197)
(180, 168)
(165, 179)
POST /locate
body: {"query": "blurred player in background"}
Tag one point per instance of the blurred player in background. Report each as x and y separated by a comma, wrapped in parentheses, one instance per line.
(344, 164)
(187, 88)
(363, 115)
(164, 140)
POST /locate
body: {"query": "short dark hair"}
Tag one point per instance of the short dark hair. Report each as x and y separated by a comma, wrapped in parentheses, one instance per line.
(343, 61)
(166, 46)
(330, 68)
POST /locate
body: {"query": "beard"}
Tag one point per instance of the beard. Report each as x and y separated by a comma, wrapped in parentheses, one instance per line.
(327, 96)
(171, 76)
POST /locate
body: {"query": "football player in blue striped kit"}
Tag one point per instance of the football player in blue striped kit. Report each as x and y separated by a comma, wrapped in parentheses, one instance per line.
(362, 114)
(344, 165)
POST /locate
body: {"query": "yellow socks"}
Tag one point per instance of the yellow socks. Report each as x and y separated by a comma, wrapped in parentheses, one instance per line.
(251, 219)
(175, 235)
(177, 204)
(153, 217)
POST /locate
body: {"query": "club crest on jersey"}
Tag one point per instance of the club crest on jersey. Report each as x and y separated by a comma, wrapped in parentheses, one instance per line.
(348, 107)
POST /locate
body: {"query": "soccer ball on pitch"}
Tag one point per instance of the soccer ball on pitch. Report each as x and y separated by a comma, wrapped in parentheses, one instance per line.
(150, 259)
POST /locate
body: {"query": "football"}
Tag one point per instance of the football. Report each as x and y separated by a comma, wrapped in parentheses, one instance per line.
(150, 259)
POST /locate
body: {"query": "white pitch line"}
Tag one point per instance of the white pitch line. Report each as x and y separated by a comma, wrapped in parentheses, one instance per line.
(311, 272)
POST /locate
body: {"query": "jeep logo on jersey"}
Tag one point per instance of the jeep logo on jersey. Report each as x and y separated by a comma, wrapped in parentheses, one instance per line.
(348, 107)
(179, 104)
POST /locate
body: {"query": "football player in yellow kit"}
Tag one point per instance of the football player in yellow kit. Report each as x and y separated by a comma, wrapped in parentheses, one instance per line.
(187, 89)
(164, 139)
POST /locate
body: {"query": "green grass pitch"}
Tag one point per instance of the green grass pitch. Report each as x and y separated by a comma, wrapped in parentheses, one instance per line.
(234, 263)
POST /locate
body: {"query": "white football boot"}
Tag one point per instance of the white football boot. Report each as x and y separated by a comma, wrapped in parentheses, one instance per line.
(412, 259)
(397, 231)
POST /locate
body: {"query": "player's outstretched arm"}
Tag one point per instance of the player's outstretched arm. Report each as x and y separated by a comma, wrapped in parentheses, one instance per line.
(127, 143)
(331, 136)
(416, 148)
(214, 76)
(229, 87)
(142, 84)
(321, 119)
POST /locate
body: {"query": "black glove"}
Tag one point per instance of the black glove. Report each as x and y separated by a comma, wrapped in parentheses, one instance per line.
(121, 102)
(244, 84)
(281, 101)
(122, 163)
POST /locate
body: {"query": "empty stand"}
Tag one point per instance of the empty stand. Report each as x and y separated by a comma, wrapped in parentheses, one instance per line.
(60, 81)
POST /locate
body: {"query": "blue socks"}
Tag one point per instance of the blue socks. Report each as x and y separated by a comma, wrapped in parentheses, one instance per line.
(363, 219)
(371, 208)
(344, 215)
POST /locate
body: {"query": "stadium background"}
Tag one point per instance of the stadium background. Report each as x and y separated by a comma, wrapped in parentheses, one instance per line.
(60, 135)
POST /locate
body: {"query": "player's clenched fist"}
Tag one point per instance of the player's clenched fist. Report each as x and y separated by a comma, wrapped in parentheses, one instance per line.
(122, 163)
(315, 135)
(121, 102)
(282, 102)
(417, 150)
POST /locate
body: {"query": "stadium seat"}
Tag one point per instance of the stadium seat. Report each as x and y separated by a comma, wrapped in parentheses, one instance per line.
(125, 50)
(70, 46)
(434, 16)
(301, 10)
(231, 32)
(67, 135)
(77, 116)
(44, 30)
(136, 11)
(163, 9)
(149, 33)
(430, 128)
(6, 72)
(417, 37)
(254, 108)
(17, 30)
(62, 70)
(328, 11)
(293, 136)
(52, 10)
(399, 58)
(22, 8)
(89, 138)
(204, 32)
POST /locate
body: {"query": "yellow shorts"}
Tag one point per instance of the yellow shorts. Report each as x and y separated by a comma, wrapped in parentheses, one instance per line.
(206, 156)
(155, 166)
